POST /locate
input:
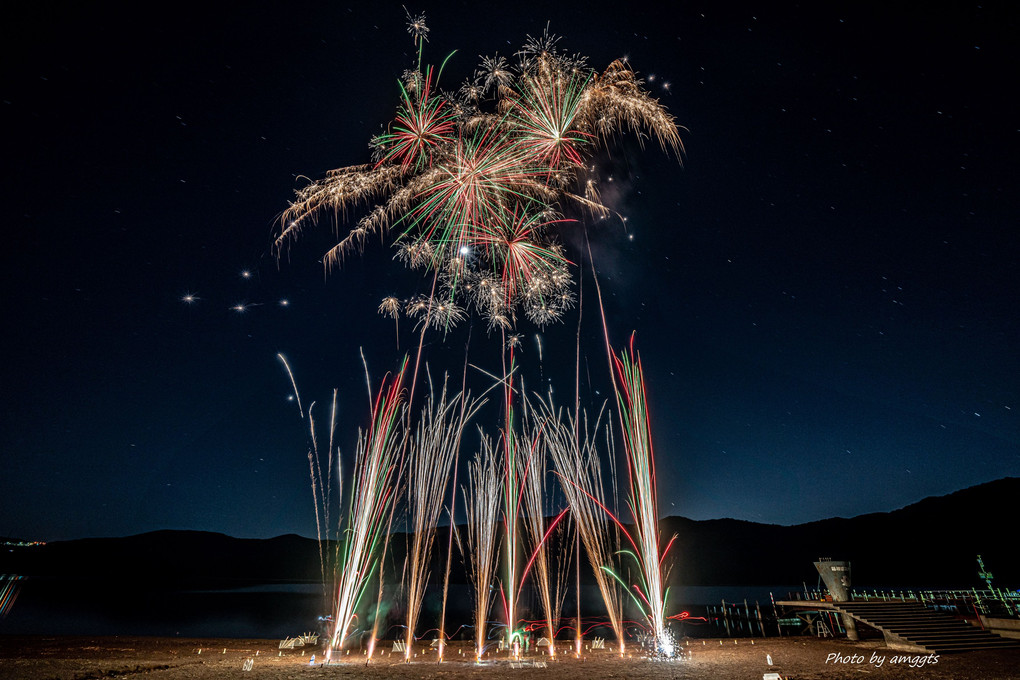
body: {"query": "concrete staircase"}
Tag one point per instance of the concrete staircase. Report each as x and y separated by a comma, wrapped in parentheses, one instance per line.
(912, 626)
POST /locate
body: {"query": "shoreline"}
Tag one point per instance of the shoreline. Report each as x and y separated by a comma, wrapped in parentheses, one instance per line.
(39, 657)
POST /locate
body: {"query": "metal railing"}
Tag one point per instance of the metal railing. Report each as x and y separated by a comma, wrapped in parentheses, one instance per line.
(995, 602)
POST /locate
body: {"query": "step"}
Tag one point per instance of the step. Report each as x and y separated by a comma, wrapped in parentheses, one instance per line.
(932, 621)
(934, 626)
(947, 638)
(917, 625)
(951, 647)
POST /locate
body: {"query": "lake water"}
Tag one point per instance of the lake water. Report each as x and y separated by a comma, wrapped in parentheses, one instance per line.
(276, 610)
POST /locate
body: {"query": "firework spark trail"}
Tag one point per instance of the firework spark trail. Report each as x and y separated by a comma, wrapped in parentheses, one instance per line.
(432, 450)
(539, 550)
(340, 191)
(642, 501)
(481, 500)
(577, 423)
(628, 384)
(290, 374)
(511, 506)
(577, 568)
(564, 538)
(327, 498)
(321, 490)
(317, 502)
(572, 449)
(518, 456)
(453, 506)
(532, 470)
(375, 476)
(449, 559)
(376, 619)
(389, 520)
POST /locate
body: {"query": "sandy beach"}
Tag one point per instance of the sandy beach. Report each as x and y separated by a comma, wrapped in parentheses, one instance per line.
(94, 658)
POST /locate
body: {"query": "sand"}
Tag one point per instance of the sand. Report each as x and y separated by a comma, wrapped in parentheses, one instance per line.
(85, 658)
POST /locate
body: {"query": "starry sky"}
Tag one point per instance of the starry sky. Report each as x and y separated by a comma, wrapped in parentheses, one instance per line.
(823, 291)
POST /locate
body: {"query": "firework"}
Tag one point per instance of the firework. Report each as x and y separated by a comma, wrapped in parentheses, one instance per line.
(321, 489)
(374, 481)
(391, 306)
(532, 472)
(565, 539)
(518, 457)
(432, 450)
(642, 499)
(572, 448)
(544, 112)
(472, 186)
(512, 479)
(474, 189)
(423, 126)
(453, 504)
(433, 312)
(481, 498)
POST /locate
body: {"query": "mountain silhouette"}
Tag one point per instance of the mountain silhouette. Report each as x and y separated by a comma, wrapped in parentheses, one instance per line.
(930, 544)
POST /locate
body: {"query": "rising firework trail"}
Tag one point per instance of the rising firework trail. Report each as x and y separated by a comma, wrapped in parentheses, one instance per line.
(533, 472)
(512, 479)
(374, 489)
(452, 509)
(481, 499)
(572, 448)
(433, 448)
(321, 488)
(642, 499)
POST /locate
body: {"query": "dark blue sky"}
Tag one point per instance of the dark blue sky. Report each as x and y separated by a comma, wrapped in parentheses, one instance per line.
(824, 293)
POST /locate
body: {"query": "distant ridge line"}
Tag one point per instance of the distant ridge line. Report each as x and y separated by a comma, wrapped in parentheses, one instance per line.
(942, 533)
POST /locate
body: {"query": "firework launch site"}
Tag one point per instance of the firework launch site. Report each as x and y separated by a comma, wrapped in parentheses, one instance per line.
(39, 658)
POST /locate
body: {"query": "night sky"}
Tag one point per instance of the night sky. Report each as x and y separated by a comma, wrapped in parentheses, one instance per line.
(824, 291)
